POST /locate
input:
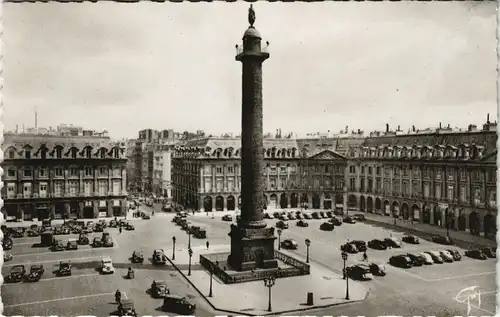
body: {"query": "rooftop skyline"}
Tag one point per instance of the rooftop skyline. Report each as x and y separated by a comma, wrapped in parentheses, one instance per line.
(332, 65)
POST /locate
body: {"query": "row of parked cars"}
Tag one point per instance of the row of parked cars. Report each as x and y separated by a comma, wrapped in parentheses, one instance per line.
(181, 220)
(325, 226)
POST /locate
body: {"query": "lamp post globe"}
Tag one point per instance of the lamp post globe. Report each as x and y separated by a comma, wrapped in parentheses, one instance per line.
(280, 231)
(308, 243)
(173, 248)
(344, 256)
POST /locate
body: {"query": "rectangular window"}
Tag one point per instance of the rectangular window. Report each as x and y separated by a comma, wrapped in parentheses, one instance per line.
(450, 192)
(28, 172)
(42, 172)
(27, 190)
(426, 190)
(87, 188)
(116, 172)
(208, 185)
(11, 190)
(230, 185)
(362, 169)
(219, 170)
(27, 154)
(73, 188)
(273, 169)
(463, 192)
(42, 190)
(208, 169)
(116, 187)
(58, 188)
(88, 171)
(283, 169)
(272, 183)
(102, 188)
(438, 191)
(370, 170)
(11, 172)
(59, 172)
(378, 170)
(230, 170)
(103, 171)
(73, 171)
(352, 184)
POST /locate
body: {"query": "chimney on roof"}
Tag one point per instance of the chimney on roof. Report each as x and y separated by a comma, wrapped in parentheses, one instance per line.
(413, 128)
(387, 127)
(439, 125)
(488, 119)
(399, 128)
(346, 129)
(359, 131)
(448, 126)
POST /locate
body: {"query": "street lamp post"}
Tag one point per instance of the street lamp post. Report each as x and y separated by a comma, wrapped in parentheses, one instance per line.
(269, 283)
(212, 269)
(190, 252)
(279, 238)
(189, 238)
(308, 243)
(346, 277)
(173, 249)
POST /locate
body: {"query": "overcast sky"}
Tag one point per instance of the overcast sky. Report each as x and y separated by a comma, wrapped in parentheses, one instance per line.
(125, 67)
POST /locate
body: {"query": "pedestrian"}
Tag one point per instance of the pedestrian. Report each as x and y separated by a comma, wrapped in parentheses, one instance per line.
(208, 245)
(365, 257)
(118, 296)
(193, 212)
(120, 229)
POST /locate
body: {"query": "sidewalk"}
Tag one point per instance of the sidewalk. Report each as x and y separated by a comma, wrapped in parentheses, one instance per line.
(458, 236)
(251, 298)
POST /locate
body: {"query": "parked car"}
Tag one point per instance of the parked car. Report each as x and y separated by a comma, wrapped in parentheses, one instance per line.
(302, 223)
(401, 261)
(7, 257)
(427, 258)
(276, 214)
(335, 221)
(6, 243)
(83, 239)
(58, 246)
(359, 217)
(159, 289)
(227, 218)
(315, 215)
(392, 242)
(267, 215)
(159, 257)
(349, 219)
(329, 214)
(98, 228)
(178, 304)
(411, 239)
(476, 254)
(106, 240)
(17, 232)
(359, 272)
(282, 225)
(137, 257)
(97, 242)
(17, 273)
(113, 223)
(378, 269)
(283, 217)
(360, 245)
(107, 266)
(102, 223)
(289, 244)
(129, 226)
(299, 216)
(446, 256)
(36, 272)
(126, 308)
(307, 216)
(33, 232)
(322, 214)
(436, 257)
(456, 255)
(291, 216)
(72, 244)
(327, 226)
(416, 259)
(349, 248)
(64, 268)
(442, 240)
(377, 244)
(489, 252)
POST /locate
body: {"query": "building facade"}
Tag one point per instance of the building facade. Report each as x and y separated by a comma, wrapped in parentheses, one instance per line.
(162, 166)
(206, 175)
(441, 178)
(63, 176)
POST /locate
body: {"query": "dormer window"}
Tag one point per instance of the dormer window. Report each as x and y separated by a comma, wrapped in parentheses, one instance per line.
(88, 152)
(116, 153)
(74, 153)
(27, 154)
(466, 153)
(59, 153)
(12, 153)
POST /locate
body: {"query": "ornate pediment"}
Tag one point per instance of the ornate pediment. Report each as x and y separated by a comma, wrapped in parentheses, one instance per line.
(328, 155)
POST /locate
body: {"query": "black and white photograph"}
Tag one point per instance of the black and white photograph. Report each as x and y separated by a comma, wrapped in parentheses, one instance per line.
(249, 158)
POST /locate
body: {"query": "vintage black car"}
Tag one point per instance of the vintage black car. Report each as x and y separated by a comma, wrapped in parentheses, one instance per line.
(360, 272)
(98, 228)
(145, 216)
(289, 244)
(47, 238)
(126, 308)
(392, 242)
(64, 268)
(7, 243)
(113, 223)
(17, 232)
(329, 214)
(7, 257)
(456, 255)
(322, 214)
(159, 257)
(349, 219)
(302, 223)
(377, 244)
(137, 257)
(178, 304)
(17, 273)
(276, 214)
(307, 216)
(401, 261)
(336, 221)
(267, 216)
(102, 223)
(159, 289)
(442, 240)
(283, 217)
(83, 239)
(129, 226)
(299, 216)
(360, 245)
(377, 269)
(489, 252)
(359, 217)
(58, 230)
(316, 215)
(416, 259)
(349, 248)
(33, 231)
(106, 240)
(76, 229)
(36, 272)
(282, 225)
(65, 229)
(476, 254)
(57, 246)
(411, 239)
(72, 244)
(327, 226)
(436, 257)
(97, 242)
(291, 216)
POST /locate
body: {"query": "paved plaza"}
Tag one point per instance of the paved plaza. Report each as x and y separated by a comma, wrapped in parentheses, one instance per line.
(429, 290)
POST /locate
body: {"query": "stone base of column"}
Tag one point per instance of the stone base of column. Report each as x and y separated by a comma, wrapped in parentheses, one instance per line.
(252, 249)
